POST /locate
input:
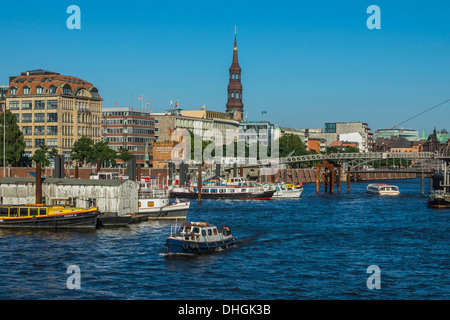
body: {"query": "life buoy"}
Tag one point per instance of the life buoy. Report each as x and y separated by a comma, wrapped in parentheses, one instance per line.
(185, 246)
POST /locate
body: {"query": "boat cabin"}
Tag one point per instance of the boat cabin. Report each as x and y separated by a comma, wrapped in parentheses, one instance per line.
(222, 189)
(201, 231)
(236, 181)
(22, 211)
(105, 176)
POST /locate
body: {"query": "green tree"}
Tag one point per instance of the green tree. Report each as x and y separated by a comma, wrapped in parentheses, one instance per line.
(124, 154)
(43, 154)
(83, 150)
(102, 152)
(15, 144)
(291, 144)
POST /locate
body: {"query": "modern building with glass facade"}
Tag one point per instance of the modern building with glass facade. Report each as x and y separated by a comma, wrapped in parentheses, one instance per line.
(408, 134)
(130, 128)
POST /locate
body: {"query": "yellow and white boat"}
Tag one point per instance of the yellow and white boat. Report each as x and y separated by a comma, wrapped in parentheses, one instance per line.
(48, 217)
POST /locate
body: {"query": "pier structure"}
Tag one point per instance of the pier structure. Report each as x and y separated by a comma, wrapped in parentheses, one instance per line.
(328, 174)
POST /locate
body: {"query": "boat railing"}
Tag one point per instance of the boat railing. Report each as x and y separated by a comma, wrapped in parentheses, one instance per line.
(153, 193)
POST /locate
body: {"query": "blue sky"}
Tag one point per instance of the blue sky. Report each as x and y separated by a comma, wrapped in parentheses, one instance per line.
(304, 62)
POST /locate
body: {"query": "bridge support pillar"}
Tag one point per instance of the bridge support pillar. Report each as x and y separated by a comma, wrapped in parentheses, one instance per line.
(327, 176)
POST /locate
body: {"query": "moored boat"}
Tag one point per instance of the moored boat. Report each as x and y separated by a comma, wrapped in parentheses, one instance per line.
(156, 204)
(223, 193)
(383, 189)
(199, 238)
(47, 217)
(282, 191)
(439, 199)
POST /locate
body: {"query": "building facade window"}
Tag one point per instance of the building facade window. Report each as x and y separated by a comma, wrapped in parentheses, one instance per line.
(52, 104)
(39, 105)
(14, 105)
(38, 142)
(13, 91)
(39, 90)
(39, 130)
(52, 143)
(39, 117)
(27, 105)
(52, 130)
(26, 91)
(28, 143)
(52, 117)
(67, 90)
(27, 117)
(27, 130)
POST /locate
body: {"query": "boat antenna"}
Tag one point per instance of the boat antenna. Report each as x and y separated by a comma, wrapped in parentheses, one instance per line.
(421, 113)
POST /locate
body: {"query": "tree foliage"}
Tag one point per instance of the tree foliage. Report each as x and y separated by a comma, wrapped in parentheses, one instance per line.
(124, 154)
(291, 144)
(84, 151)
(15, 144)
(43, 154)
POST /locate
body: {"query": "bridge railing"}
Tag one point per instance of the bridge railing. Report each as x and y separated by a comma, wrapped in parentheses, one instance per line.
(351, 156)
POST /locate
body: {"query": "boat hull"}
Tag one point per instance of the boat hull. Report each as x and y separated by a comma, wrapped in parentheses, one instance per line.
(170, 212)
(81, 220)
(290, 194)
(113, 220)
(197, 247)
(264, 195)
(439, 203)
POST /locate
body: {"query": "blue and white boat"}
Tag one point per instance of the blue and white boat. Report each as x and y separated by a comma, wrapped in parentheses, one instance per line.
(199, 238)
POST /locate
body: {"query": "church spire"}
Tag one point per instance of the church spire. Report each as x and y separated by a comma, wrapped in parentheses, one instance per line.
(235, 107)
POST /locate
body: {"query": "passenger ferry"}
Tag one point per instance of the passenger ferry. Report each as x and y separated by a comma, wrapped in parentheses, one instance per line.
(383, 189)
(50, 217)
(223, 192)
(199, 238)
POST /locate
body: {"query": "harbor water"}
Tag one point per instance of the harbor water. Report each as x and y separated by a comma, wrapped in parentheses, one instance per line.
(317, 247)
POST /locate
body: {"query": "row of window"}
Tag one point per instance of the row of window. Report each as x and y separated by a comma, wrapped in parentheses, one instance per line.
(38, 105)
(52, 143)
(22, 212)
(38, 117)
(39, 90)
(39, 130)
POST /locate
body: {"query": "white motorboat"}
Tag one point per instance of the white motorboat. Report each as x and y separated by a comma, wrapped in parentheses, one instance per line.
(383, 189)
(156, 204)
(283, 192)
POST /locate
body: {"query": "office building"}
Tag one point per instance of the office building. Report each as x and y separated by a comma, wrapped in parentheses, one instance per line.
(54, 109)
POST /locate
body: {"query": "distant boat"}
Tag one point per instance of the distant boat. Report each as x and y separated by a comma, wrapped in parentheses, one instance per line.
(155, 204)
(439, 199)
(283, 192)
(223, 193)
(199, 238)
(47, 217)
(383, 189)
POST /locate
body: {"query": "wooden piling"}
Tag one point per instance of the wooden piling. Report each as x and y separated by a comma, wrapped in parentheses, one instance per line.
(317, 179)
(348, 180)
(422, 184)
(339, 178)
(199, 186)
(38, 184)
